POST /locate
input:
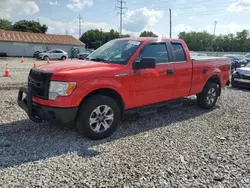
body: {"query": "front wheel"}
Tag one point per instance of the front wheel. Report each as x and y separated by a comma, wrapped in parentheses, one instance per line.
(208, 97)
(46, 58)
(98, 117)
(63, 58)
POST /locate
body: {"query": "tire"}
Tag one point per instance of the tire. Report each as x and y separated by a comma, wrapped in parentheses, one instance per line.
(46, 58)
(63, 58)
(233, 85)
(208, 97)
(89, 108)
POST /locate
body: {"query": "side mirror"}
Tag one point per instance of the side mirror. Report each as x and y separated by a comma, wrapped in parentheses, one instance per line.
(145, 63)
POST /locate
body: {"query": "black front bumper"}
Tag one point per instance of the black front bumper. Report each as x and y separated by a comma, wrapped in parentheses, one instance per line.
(239, 83)
(37, 113)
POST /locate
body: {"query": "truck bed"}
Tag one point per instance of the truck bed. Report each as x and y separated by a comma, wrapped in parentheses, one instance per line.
(205, 67)
(207, 58)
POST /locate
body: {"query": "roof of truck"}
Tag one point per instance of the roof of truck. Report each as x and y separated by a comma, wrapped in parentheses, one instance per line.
(143, 39)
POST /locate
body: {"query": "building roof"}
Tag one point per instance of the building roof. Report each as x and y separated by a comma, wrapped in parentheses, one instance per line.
(26, 37)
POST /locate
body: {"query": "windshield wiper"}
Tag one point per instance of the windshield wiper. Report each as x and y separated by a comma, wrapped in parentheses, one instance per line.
(99, 59)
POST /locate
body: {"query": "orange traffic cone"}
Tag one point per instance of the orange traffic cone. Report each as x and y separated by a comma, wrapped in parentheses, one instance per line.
(34, 64)
(6, 72)
(22, 60)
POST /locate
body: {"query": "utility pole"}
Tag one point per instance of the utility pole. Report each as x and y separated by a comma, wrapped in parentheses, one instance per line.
(121, 13)
(170, 23)
(80, 25)
(66, 32)
(215, 24)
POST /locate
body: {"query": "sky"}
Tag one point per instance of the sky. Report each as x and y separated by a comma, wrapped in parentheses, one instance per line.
(61, 16)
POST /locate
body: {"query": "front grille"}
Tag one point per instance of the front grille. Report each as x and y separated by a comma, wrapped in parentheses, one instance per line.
(38, 83)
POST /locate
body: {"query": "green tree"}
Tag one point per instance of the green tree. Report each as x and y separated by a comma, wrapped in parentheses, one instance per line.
(198, 41)
(5, 24)
(94, 38)
(148, 34)
(30, 26)
(203, 41)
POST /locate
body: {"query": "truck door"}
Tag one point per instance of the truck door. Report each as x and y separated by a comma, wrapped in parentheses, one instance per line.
(154, 85)
(182, 70)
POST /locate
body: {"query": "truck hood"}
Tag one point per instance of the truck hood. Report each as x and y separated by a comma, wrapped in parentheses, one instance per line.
(244, 70)
(67, 67)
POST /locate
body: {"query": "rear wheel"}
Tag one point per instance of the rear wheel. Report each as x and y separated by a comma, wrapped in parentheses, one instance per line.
(98, 117)
(208, 97)
(63, 58)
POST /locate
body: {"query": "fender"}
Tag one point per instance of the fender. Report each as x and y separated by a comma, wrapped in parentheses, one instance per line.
(101, 83)
(213, 72)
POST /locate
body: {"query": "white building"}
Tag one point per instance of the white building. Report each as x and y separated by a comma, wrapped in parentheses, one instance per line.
(17, 44)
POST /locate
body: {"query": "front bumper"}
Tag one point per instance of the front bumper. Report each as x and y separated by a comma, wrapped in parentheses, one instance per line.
(37, 112)
(239, 82)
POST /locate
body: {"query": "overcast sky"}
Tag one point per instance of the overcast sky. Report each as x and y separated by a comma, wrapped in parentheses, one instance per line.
(187, 15)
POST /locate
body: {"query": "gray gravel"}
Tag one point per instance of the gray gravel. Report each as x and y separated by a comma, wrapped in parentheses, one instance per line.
(177, 147)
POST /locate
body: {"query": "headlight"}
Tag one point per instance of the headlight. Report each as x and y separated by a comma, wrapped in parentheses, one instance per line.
(60, 89)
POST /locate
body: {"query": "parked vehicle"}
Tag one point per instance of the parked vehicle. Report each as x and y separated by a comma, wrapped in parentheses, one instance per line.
(127, 75)
(242, 59)
(36, 54)
(237, 61)
(83, 55)
(53, 54)
(247, 56)
(241, 77)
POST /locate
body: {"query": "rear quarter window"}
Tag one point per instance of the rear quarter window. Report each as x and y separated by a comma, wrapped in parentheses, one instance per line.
(179, 52)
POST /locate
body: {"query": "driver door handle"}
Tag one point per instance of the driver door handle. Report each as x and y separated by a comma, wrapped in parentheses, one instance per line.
(170, 72)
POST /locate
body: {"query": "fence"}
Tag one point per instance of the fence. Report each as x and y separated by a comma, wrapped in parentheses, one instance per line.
(220, 54)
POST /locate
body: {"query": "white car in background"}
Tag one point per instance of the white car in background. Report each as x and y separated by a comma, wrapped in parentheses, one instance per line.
(53, 54)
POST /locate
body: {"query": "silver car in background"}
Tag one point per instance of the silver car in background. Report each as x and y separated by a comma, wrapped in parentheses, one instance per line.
(53, 54)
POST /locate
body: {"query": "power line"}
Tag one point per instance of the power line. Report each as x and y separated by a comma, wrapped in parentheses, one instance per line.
(104, 13)
(203, 13)
(121, 13)
(186, 6)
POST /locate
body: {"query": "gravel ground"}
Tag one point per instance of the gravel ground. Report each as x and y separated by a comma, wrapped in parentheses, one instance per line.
(177, 147)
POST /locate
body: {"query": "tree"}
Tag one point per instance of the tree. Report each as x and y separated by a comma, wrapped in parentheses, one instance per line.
(198, 41)
(201, 41)
(148, 34)
(5, 24)
(30, 26)
(94, 38)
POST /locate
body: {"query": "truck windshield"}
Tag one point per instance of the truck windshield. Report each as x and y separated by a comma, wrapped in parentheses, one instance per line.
(115, 51)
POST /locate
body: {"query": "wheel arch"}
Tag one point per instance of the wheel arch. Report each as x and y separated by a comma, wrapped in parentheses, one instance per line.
(109, 92)
(215, 79)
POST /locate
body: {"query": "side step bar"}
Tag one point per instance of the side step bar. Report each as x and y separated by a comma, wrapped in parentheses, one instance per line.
(145, 110)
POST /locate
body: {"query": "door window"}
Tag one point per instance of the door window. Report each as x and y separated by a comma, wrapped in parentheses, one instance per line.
(57, 51)
(157, 51)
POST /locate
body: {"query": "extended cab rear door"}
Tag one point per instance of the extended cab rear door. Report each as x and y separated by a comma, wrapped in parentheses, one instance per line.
(182, 69)
(154, 85)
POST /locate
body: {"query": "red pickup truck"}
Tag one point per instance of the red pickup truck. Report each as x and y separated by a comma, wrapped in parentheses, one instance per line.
(128, 75)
